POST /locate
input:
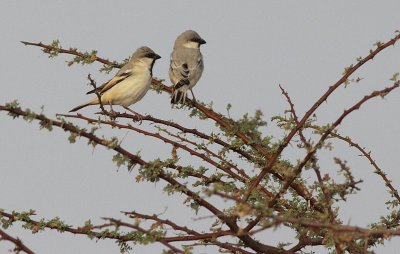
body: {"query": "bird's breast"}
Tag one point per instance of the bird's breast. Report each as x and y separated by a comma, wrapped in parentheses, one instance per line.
(129, 91)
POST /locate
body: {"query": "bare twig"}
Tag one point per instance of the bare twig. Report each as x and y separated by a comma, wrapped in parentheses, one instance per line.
(227, 219)
(161, 240)
(19, 246)
(68, 51)
(93, 84)
(367, 155)
(158, 136)
(299, 168)
(316, 105)
(218, 118)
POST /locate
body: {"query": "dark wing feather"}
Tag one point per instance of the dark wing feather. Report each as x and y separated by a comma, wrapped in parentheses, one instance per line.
(112, 82)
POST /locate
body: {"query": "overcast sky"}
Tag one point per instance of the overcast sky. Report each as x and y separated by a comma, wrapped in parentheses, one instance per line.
(251, 48)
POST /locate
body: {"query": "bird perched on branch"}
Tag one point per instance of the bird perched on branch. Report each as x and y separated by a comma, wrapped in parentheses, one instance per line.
(186, 64)
(130, 84)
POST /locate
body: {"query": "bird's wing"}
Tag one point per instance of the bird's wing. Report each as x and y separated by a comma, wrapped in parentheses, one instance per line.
(181, 71)
(121, 75)
(183, 65)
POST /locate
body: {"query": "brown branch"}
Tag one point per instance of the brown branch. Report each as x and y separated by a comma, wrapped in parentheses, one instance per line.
(175, 144)
(313, 108)
(365, 232)
(232, 247)
(352, 183)
(218, 118)
(240, 171)
(327, 198)
(73, 129)
(308, 146)
(208, 112)
(229, 221)
(305, 241)
(316, 168)
(155, 83)
(77, 231)
(154, 217)
(93, 138)
(243, 174)
(49, 48)
(191, 232)
(367, 155)
(158, 136)
(203, 236)
(192, 152)
(19, 246)
(183, 129)
(296, 119)
(359, 231)
(93, 84)
(351, 143)
(299, 168)
(161, 240)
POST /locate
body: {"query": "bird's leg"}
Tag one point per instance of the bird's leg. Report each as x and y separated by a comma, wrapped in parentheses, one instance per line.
(184, 94)
(139, 116)
(194, 98)
(110, 104)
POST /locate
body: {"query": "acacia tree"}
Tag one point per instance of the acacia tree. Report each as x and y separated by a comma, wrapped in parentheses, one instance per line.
(240, 165)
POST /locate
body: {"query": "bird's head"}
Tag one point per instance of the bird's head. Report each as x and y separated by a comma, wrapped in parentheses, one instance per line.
(145, 54)
(189, 39)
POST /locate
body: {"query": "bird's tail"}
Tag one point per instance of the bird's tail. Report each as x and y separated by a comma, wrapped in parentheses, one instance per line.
(179, 94)
(178, 97)
(92, 102)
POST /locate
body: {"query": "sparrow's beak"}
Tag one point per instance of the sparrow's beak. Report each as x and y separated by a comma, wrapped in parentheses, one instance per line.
(156, 56)
(153, 55)
(199, 41)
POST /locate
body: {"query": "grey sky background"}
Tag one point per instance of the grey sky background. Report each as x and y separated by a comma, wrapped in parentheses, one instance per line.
(251, 48)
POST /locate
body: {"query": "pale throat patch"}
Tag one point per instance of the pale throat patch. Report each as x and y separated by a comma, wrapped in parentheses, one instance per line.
(147, 61)
(191, 45)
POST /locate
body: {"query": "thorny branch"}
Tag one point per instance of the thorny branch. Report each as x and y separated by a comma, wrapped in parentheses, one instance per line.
(243, 177)
(378, 170)
(49, 48)
(228, 220)
(299, 168)
(158, 136)
(93, 84)
(313, 159)
(19, 246)
(89, 231)
(218, 118)
(314, 107)
(356, 231)
(367, 155)
(267, 204)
